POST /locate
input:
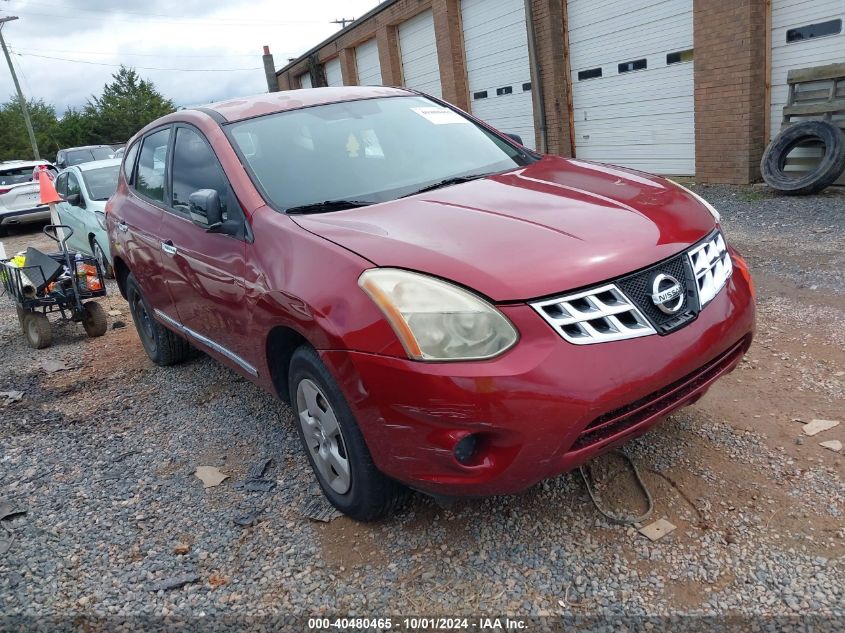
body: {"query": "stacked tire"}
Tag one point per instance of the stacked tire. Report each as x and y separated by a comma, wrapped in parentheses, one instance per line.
(826, 172)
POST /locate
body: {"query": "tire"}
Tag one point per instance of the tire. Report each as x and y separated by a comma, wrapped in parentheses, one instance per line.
(162, 346)
(94, 319)
(37, 330)
(22, 312)
(369, 495)
(828, 170)
(100, 256)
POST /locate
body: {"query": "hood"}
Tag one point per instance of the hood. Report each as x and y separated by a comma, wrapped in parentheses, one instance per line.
(553, 226)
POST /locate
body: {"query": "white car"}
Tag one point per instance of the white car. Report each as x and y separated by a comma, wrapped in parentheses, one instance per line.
(85, 189)
(20, 194)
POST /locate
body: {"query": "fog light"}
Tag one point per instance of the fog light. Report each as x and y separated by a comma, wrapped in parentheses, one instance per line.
(465, 449)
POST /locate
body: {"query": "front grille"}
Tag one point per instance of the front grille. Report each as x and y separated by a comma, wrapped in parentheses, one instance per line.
(657, 403)
(594, 316)
(711, 265)
(630, 307)
(639, 288)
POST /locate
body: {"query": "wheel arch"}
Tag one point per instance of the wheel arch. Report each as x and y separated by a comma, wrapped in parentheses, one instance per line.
(282, 341)
(121, 272)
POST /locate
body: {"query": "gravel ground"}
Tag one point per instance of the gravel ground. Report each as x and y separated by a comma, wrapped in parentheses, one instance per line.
(102, 455)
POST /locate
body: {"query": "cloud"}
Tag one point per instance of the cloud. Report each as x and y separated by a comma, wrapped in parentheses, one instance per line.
(156, 34)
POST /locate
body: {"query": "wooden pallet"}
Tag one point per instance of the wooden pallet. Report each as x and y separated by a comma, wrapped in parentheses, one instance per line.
(815, 94)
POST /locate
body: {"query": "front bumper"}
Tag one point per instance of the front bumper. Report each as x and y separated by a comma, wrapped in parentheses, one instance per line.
(542, 408)
(24, 216)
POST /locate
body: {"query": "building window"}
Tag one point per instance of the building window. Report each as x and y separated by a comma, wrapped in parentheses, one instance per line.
(504, 91)
(627, 67)
(526, 87)
(589, 74)
(831, 27)
(479, 95)
(679, 57)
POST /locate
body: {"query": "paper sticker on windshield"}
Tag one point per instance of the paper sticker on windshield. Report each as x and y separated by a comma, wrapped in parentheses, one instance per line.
(440, 116)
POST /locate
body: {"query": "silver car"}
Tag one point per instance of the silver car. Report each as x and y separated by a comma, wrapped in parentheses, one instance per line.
(20, 194)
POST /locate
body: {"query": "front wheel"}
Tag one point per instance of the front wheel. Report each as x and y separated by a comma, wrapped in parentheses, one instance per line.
(36, 328)
(162, 346)
(100, 256)
(333, 442)
(94, 319)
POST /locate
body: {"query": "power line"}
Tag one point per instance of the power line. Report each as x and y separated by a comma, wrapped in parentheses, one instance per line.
(156, 17)
(124, 53)
(183, 70)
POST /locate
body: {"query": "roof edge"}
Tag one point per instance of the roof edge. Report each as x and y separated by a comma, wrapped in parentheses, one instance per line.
(372, 12)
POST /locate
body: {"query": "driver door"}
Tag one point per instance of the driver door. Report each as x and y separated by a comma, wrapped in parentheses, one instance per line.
(204, 271)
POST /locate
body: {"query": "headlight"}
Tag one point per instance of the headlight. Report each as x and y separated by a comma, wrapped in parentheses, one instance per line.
(436, 320)
(101, 219)
(707, 205)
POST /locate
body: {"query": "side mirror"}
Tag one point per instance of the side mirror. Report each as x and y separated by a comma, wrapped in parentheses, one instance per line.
(515, 137)
(204, 208)
(75, 200)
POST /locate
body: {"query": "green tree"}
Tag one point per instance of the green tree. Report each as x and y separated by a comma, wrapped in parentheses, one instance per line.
(127, 104)
(75, 128)
(14, 141)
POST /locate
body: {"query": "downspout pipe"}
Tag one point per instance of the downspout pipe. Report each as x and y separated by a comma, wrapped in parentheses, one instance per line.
(537, 93)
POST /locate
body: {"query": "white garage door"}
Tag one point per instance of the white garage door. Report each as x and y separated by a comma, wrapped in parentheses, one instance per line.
(418, 49)
(805, 33)
(334, 75)
(305, 80)
(632, 83)
(498, 70)
(369, 66)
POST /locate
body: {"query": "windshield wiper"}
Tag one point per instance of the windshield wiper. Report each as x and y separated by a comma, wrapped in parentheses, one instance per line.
(457, 180)
(328, 206)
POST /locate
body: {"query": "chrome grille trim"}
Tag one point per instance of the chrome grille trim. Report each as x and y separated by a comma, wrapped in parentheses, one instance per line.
(712, 267)
(597, 315)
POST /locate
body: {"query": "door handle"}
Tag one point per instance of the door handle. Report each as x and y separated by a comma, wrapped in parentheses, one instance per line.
(168, 248)
(123, 226)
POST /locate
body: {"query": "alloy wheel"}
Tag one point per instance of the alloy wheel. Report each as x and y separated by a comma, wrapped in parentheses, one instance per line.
(323, 436)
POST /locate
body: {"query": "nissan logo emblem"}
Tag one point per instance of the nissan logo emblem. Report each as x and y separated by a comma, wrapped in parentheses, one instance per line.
(667, 294)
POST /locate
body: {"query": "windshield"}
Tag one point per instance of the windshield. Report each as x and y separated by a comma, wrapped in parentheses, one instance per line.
(79, 156)
(366, 151)
(16, 175)
(101, 182)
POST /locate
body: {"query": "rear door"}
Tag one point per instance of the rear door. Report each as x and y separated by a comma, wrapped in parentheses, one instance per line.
(205, 271)
(139, 220)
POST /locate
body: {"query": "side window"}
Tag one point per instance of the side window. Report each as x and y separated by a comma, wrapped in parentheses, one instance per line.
(61, 185)
(196, 167)
(129, 162)
(72, 185)
(149, 179)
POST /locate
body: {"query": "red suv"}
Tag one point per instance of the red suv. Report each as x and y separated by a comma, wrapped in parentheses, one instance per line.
(444, 309)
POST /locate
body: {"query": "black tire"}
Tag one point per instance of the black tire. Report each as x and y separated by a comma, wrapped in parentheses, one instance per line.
(162, 346)
(100, 256)
(372, 495)
(94, 319)
(37, 330)
(828, 170)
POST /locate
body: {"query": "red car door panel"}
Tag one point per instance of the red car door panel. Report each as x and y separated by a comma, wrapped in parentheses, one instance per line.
(204, 271)
(139, 224)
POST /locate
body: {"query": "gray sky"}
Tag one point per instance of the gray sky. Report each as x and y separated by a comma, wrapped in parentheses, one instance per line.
(159, 34)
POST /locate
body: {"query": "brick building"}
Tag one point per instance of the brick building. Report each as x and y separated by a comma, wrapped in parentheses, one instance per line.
(682, 87)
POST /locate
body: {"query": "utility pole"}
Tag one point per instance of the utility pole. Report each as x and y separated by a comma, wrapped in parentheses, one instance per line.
(343, 22)
(21, 99)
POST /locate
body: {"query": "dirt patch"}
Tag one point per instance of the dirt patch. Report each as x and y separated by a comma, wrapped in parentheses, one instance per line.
(348, 544)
